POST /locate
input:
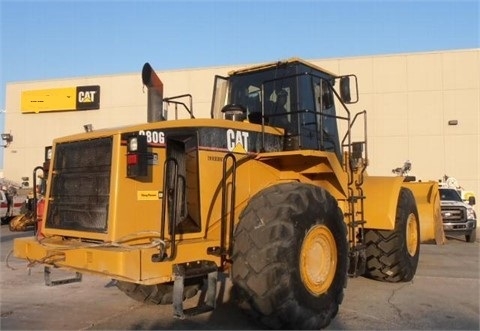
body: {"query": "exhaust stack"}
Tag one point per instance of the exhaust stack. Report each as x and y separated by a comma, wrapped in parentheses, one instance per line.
(155, 94)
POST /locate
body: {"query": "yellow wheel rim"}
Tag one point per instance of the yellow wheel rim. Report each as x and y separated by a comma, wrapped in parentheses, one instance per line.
(318, 260)
(412, 234)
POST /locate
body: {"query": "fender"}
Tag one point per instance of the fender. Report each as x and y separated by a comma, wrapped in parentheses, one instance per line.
(427, 197)
(380, 204)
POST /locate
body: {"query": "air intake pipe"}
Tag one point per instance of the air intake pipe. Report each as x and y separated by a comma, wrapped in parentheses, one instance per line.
(155, 94)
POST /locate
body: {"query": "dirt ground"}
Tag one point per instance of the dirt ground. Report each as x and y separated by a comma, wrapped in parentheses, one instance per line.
(443, 295)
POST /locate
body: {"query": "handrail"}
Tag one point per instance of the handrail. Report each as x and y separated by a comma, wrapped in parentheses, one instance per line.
(176, 103)
(228, 250)
(35, 199)
(173, 218)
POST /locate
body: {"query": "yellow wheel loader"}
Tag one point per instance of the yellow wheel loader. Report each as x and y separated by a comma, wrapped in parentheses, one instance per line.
(277, 198)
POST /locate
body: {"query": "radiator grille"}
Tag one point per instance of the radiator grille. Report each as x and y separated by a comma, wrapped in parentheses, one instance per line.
(79, 194)
(453, 214)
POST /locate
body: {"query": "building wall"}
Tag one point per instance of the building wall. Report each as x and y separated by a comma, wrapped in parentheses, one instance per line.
(409, 99)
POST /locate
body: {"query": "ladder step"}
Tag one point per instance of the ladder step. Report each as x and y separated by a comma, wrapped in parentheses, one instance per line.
(356, 223)
(50, 282)
(354, 198)
(209, 300)
(204, 308)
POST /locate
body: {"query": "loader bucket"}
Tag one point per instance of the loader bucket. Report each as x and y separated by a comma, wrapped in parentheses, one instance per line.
(427, 197)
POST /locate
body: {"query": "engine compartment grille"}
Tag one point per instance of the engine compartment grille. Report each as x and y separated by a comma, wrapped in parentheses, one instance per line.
(80, 188)
(453, 214)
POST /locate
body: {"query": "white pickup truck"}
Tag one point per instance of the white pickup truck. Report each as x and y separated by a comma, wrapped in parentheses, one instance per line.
(459, 218)
(7, 212)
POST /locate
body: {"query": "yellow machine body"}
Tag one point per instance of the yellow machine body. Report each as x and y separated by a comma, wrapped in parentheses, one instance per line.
(152, 203)
(135, 206)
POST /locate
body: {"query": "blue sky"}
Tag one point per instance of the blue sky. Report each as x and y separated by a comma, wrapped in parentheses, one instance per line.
(57, 39)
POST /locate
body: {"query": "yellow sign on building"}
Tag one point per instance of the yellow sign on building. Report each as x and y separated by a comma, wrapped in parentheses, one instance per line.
(61, 99)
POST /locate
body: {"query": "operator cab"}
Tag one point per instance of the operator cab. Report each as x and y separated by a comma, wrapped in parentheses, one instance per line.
(293, 95)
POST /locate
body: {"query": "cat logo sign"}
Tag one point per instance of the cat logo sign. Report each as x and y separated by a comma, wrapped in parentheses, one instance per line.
(61, 99)
(88, 97)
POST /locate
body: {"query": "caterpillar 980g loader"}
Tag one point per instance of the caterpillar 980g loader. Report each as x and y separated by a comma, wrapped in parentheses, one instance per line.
(267, 191)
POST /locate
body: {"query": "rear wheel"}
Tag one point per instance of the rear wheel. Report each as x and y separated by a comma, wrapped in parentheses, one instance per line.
(290, 257)
(392, 256)
(159, 294)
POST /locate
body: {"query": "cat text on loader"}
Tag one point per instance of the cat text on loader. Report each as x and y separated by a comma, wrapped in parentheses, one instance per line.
(267, 191)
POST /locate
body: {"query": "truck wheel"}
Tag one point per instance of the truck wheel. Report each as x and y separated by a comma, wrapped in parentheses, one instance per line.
(471, 237)
(5, 220)
(392, 256)
(159, 294)
(290, 257)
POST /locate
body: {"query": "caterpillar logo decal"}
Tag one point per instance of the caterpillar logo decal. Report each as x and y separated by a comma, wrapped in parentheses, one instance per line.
(237, 141)
(88, 97)
(61, 99)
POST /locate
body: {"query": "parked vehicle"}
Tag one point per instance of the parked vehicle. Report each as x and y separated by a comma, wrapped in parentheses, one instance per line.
(12, 203)
(459, 218)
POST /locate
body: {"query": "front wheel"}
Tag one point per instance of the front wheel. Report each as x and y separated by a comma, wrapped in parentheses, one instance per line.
(471, 237)
(290, 257)
(392, 256)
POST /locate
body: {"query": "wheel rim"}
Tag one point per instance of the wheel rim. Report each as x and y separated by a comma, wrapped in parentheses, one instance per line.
(318, 260)
(412, 234)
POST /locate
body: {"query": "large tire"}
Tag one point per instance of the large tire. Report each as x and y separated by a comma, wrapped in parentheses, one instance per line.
(392, 256)
(159, 294)
(290, 257)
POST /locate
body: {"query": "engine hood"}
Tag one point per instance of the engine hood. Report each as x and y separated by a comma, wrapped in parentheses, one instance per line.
(448, 203)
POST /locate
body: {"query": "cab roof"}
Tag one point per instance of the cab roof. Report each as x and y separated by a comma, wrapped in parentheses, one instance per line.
(269, 65)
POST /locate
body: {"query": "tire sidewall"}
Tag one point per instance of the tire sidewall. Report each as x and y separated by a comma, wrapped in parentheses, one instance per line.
(402, 227)
(293, 209)
(332, 219)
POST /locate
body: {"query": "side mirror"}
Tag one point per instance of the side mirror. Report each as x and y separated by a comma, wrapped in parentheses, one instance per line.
(345, 89)
(471, 201)
(349, 87)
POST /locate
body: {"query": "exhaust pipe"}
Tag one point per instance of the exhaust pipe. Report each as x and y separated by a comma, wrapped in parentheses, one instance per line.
(155, 94)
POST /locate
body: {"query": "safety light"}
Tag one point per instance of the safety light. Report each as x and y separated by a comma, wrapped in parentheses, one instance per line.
(133, 144)
(48, 158)
(137, 156)
(48, 153)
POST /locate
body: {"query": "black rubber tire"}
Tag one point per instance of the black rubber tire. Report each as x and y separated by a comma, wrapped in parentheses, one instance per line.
(266, 257)
(471, 237)
(388, 258)
(159, 294)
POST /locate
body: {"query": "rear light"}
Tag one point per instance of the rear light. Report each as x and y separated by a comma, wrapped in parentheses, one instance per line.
(137, 156)
(132, 159)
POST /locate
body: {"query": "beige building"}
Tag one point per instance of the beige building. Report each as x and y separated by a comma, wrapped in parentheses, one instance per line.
(422, 107)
